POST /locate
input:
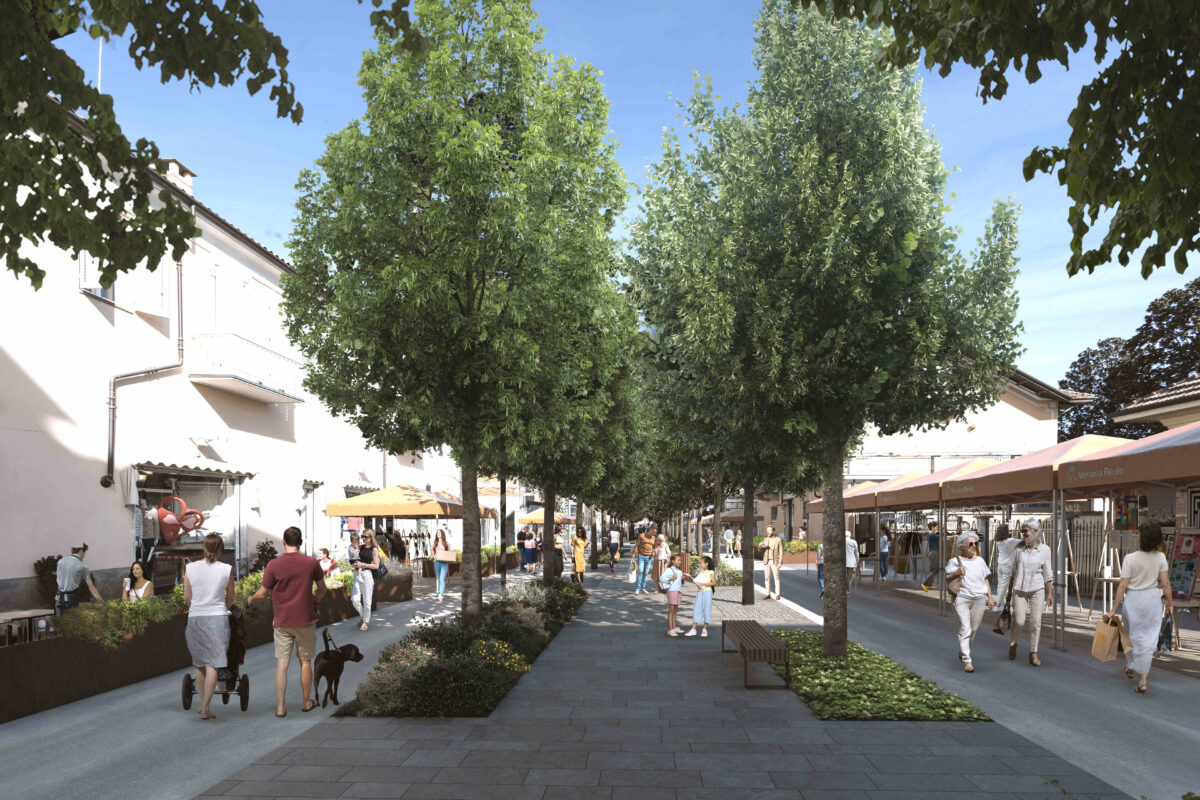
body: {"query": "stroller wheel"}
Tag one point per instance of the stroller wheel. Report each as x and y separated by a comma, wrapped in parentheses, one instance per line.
(224, 698)
(244, 691)
(189, 688)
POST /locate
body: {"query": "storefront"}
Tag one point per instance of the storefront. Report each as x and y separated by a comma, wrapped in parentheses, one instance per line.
(177, 506)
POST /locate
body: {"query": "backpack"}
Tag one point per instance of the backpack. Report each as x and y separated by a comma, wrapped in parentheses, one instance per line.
(665, 580)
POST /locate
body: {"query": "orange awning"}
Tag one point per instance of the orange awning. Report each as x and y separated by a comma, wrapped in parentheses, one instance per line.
(539, 518)
(1171, 457)
(865, 501)
(407, 502)
(1028, 476)
(926, 491)
(817, 506)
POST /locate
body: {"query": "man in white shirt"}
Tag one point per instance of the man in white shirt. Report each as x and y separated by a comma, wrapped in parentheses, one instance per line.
(728, 535)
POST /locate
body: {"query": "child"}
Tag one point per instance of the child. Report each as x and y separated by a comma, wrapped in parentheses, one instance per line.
(705, 581)
(672, 580)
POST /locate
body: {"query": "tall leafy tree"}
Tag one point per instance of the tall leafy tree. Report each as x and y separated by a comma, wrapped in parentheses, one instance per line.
(1133, 155)
(1096, 371)
(68, 174)
(448, 243)
(875, 315)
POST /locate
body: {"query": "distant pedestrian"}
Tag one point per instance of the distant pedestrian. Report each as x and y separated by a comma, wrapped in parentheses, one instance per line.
(328, 563)
(522, 536)
(821, 567)
(934, 543)
(579, 548)
(289, 578)
(885, 544)
(614, 549)
(1033, 589)
(364, 578)
(137, 586)
(728, 537)
(672, 580)
(705, 580)
(208, 592)
(662, 555)
(1146, 590)
(443, 554)
(737, 544)
(530, 552)
(69, 572)
(851, 561)
(644, 552)
(973, 594)
(1006, 547)
(772, 557)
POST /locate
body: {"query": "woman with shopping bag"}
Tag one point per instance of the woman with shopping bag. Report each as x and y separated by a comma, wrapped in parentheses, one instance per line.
(1145, 588)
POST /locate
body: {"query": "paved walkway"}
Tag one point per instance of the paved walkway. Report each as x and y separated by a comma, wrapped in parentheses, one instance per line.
(616, 710)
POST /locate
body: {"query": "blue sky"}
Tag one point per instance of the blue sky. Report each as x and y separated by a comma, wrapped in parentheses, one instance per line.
(247, 160)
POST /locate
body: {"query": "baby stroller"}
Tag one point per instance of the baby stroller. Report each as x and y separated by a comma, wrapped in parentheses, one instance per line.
(229, 679)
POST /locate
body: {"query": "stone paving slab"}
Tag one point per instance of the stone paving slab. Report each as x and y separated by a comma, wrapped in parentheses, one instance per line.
(616, 710)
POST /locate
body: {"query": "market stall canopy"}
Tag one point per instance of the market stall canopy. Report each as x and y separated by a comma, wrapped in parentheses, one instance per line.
(397, 501)
(816, 506)
(926, 491)
(485, 512)
(539, 517)
(728, 516)
(865, 501)
(1171, 457)
(1028, 476)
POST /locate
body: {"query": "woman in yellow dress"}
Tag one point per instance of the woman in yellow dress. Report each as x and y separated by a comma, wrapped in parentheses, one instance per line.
(579, 544)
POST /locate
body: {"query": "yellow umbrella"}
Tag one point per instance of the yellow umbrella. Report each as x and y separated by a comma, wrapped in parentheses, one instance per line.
(539, 517)
(401, 501)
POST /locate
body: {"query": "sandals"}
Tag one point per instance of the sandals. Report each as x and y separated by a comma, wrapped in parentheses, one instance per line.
(1129, 673)
(309, 706)
(1141, 689)
(968, 667)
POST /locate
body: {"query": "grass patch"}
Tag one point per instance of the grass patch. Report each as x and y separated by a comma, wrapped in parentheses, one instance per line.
(866, 685)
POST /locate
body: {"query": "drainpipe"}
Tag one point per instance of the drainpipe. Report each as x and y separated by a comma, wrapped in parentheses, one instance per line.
(107, 480)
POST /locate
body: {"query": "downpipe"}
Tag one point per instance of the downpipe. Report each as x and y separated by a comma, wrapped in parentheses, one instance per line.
(107, 479)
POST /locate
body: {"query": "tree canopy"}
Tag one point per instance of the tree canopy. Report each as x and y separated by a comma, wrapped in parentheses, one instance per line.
(452, 249)
(1133, 156)
(68, 174)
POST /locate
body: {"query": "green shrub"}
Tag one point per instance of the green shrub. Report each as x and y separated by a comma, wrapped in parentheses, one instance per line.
(865, 684)
(46, 570)
(519, 625)
(726, 575)
(264, 552)
(382, 694)
(445, 637)
(114, 622)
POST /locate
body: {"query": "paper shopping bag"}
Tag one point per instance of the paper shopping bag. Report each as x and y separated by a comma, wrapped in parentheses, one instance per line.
(1109, 632)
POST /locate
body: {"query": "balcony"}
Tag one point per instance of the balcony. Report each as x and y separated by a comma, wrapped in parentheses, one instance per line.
(239, 366)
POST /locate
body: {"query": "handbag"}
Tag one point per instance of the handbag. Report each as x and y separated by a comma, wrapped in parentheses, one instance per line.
(633, 571)
(1004, 621)
(1165, 634)
(1108, 637)
(954, 584)
(382, 571)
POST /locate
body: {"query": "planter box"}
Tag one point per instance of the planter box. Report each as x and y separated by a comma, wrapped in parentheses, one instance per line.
(489, 566)
(808, 557)
(45, 674)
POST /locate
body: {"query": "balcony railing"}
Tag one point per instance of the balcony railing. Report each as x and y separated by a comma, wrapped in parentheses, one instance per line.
(236, 364)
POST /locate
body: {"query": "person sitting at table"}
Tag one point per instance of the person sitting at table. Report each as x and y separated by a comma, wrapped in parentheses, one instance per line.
(137, 586)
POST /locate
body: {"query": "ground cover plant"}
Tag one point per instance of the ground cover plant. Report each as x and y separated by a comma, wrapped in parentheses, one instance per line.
(447, 669)
(865, 685)
(726, 575)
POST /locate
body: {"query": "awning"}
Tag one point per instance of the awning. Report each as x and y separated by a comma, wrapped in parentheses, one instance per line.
(816, 506)
(865, 501)
(539, 517)
(398, 501)
(926, 491)
(195, 464)
(1171, 457)
(485, 512)
(1028, 476)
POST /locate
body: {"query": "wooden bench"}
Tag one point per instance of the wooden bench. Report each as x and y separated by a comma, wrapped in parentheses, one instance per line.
(754, 643)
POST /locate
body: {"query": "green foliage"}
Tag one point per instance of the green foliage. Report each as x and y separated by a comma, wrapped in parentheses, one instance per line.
(1163, 351)
(264, 551)
(114, 622)
(446, 669)
(726, 575)
(46, 571)
(865, 685)
(1132, 144)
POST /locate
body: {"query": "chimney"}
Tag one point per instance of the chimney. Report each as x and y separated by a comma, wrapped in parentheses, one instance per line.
(179, 176)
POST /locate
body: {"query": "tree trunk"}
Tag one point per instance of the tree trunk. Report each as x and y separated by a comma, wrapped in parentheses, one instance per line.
(599, 524)
(472, 581)
(718, 510)
(833, 536)
(503, 539)
(549, 559)
(748, 552)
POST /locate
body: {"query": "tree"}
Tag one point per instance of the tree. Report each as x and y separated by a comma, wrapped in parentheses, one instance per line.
(447, 245)
(1132, 154)
(1163, 351)
(877, 317)
(68, 174)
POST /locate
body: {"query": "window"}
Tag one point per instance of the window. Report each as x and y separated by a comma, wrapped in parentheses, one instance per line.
(89, 278)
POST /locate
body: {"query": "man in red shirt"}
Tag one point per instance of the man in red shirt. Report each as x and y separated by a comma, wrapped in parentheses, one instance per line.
(290, 579)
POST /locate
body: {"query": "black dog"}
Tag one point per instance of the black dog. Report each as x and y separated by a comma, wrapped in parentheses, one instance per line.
(329, 665)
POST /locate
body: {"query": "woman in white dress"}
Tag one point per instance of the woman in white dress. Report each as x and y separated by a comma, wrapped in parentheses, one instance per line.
(208, 593)
(973, 594)
(1145, 588)
(137, 586)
